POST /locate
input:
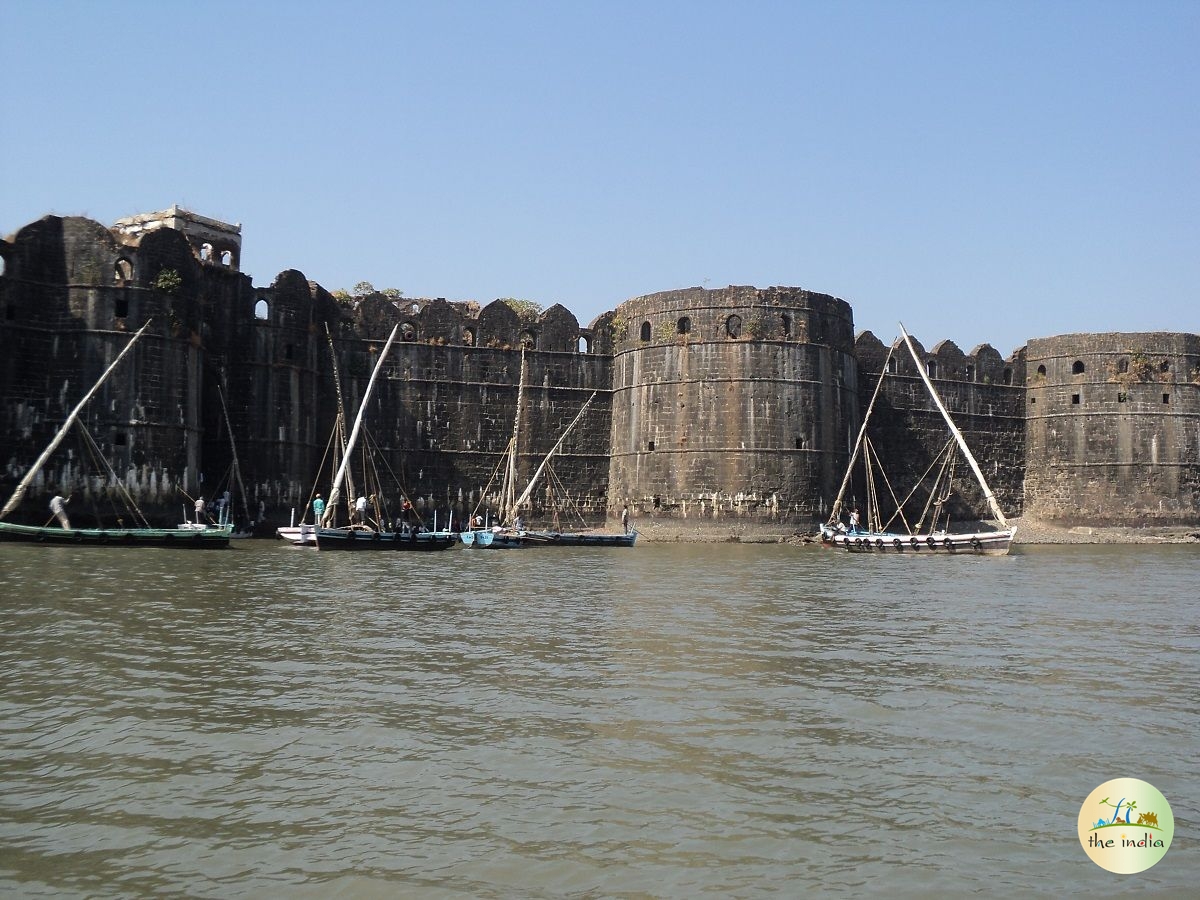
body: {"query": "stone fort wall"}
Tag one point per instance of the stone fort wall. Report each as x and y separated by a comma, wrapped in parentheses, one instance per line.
(1113, 428)
(711, 406)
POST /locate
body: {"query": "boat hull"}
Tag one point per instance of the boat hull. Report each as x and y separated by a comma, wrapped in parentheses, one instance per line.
(365, 539)
(983, 543)
(578, 539)
(182, 538)
(482, 539)
(300, 535)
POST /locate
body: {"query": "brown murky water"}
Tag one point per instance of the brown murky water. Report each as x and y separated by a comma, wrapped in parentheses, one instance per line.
(668, 721)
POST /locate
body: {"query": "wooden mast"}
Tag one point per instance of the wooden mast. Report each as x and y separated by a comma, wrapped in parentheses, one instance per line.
(962, 444)
(19, 493)
(335, 493)
(862, 433)
(533, 481)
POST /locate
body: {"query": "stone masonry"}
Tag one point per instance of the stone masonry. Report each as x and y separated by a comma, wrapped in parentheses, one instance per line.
(713, 407)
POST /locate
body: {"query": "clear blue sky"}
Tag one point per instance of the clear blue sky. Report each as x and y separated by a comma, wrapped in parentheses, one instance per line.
(984, 171)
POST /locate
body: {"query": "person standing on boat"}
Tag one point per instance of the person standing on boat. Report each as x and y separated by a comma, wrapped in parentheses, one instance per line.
(625, 518)
(58, 506)
(854, 520)
(360, 509)
(200, 510)
(318, 506)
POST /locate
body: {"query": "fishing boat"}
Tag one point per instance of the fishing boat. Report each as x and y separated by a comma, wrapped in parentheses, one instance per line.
(515, 536)
(359, 535)
(931, 532)
(186, 537)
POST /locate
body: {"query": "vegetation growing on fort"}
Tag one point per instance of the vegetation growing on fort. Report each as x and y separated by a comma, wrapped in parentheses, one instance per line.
(527, 310)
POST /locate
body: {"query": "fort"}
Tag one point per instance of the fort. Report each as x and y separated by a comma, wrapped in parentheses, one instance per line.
(711, 407)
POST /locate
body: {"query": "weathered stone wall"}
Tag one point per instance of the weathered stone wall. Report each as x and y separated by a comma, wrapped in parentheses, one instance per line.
(220, 350)
(1114, 428)
(731, 405)
(985, 397)
(71, 294)
(722, 406)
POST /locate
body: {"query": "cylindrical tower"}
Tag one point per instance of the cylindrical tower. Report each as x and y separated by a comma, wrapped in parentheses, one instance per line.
(1113, 429)
(733, 404)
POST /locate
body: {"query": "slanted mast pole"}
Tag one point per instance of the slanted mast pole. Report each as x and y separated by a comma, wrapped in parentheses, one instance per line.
(558, 445)
(962, 443)
(335, 493)
(19, 494)
(858, 443)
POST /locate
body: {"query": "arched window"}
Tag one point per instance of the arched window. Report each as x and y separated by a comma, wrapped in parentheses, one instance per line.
(786, 322)
(262, 310)
(733, 326)
(584, 345)
(1, 265)
(932, 368)
(1077, 367)
(1042, 371)
(683, 326)
(1008, 376)
(123, 271)
(468, 337)
(226, 257)
(892, 366)
(645, 331)
(528, 340)
(970, 373)
(206, 252)
(408, 331)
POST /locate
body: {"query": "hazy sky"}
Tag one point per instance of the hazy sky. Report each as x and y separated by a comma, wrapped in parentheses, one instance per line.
(983, 170)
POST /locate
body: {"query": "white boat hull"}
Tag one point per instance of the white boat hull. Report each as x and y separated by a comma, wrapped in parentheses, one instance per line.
(985, 543)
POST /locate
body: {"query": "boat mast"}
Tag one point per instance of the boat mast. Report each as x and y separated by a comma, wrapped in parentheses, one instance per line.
(533, 481)
(237, 469)
(508, 493)
(335, 493)
(339, 426)
(862, 433)
(962, 444)
(19, 493)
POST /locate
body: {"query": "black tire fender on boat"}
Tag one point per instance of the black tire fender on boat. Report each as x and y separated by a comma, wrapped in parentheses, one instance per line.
(879, 543)
(947, 543)
(898, 544)
(976, 544)
(931, 541)
(916, 543)
(858, 542)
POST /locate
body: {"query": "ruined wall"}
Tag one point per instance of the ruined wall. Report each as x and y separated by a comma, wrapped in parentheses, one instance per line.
(71, 295)
(1114, 428)
(731, 405)
(985, 396)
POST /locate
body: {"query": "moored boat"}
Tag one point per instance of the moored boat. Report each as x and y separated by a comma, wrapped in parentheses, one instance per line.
(935, 537)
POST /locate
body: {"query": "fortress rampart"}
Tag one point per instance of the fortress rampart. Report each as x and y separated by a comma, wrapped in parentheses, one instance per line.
(711, 406)
(1113, 428)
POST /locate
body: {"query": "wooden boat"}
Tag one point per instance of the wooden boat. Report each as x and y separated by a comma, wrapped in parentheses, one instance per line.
(186, 537)
(879, 536)
(511, 538)
(204, 538)
(359, 536)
